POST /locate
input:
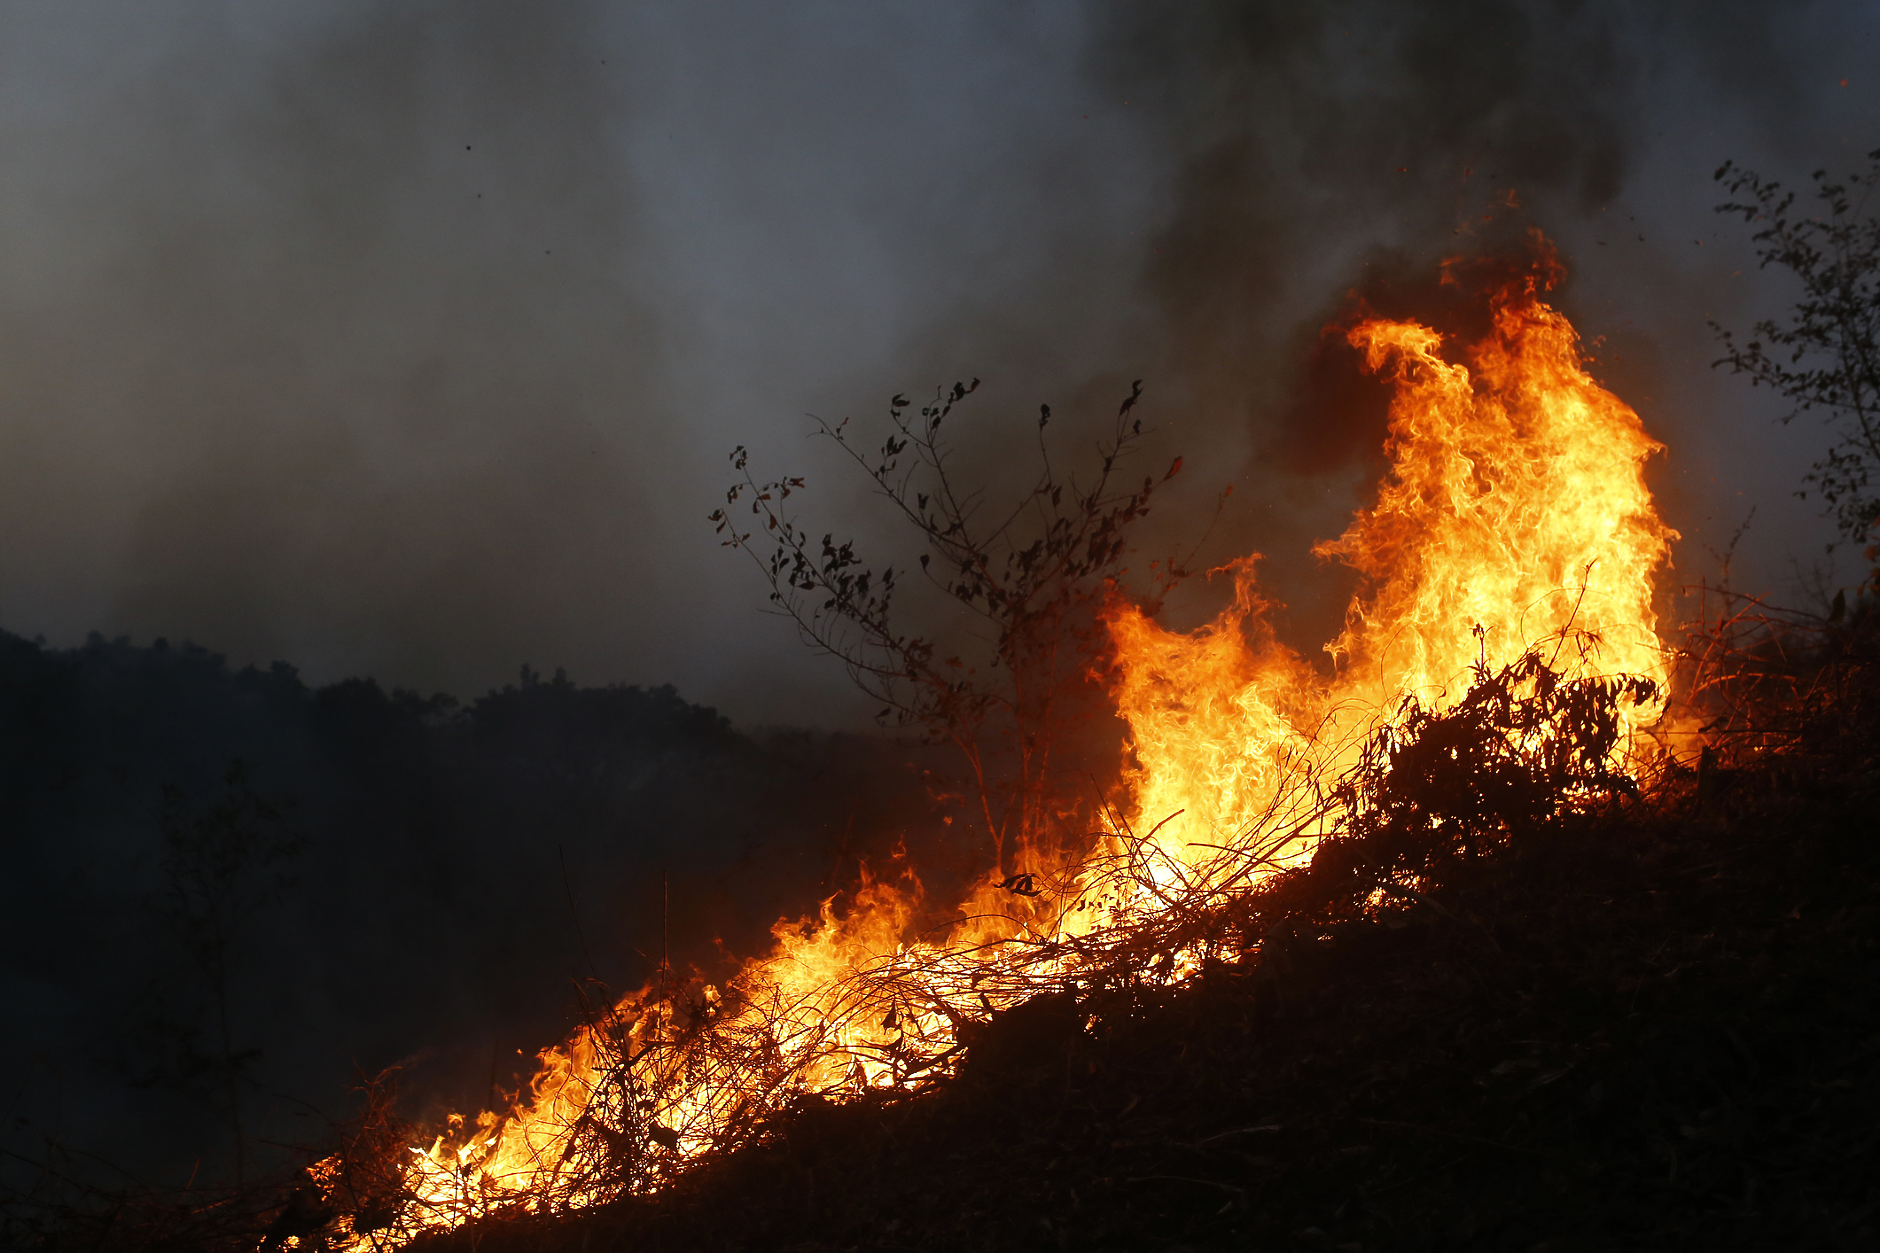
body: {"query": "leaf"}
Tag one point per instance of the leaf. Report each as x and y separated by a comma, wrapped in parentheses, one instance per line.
(1129, 401)
(1173, 470)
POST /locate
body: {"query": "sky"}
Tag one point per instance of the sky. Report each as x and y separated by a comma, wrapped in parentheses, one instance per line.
(411, 339)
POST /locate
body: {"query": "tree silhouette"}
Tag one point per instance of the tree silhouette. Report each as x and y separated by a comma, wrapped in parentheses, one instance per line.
(220, 867)
(1010, 691)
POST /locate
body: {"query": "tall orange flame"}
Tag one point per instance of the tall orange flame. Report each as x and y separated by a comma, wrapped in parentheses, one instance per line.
(1514, 514)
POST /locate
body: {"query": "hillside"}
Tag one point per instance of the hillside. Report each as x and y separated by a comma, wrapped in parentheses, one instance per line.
(1646, 1020)
(1655, 1026)
(409, 880)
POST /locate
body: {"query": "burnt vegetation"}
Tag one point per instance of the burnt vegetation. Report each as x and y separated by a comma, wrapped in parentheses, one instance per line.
(1517, 997)
(1519, 1001)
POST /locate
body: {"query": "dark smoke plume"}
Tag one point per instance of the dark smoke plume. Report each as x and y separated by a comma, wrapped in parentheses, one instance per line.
(408, 340)
(1337, 154)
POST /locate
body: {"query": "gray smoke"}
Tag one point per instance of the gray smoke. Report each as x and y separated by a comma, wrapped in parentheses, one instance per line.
(409, 340)
(1351, 146)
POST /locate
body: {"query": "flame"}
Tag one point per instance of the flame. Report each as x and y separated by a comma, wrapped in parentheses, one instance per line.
(1514, 513)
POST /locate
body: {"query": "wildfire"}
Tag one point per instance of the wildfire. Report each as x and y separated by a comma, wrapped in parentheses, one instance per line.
(1514, 515)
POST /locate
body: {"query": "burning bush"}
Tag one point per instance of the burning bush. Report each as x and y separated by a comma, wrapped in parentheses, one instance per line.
(1501, 673)
(1498, 668)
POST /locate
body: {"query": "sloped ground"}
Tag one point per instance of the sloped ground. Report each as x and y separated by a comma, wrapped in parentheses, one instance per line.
(1655, 1028)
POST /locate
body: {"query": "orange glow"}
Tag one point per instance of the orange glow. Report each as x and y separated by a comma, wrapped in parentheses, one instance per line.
(1514, 514)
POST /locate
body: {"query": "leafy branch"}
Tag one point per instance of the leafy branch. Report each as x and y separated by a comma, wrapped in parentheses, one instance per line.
(1826, 355)
(1029, 578)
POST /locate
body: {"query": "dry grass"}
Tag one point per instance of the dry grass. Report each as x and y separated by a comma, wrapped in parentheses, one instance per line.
(1375, 1045)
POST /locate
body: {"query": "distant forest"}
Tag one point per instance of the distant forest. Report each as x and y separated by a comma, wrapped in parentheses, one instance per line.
(226, 893)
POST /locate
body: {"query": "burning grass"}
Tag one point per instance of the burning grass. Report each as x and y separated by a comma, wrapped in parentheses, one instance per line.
(1501, 692)
(1632, 1020)
(653, 1084)
(1515, 511)
(1514, 994)
(1600, 1018)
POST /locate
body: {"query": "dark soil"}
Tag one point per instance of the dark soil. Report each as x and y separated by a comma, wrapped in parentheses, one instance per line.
(1654, 1028)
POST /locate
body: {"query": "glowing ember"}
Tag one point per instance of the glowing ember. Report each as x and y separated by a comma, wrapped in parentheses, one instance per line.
(1514, 514)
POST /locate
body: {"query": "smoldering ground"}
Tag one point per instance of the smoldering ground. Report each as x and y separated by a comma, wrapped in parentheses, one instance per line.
(409, 340)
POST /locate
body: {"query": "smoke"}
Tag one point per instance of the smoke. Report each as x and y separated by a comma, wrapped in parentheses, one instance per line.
(323, 337)
(1339, 153)
(408, 340)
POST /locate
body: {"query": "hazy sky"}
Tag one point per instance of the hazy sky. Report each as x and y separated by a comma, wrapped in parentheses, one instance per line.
(409, 338)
